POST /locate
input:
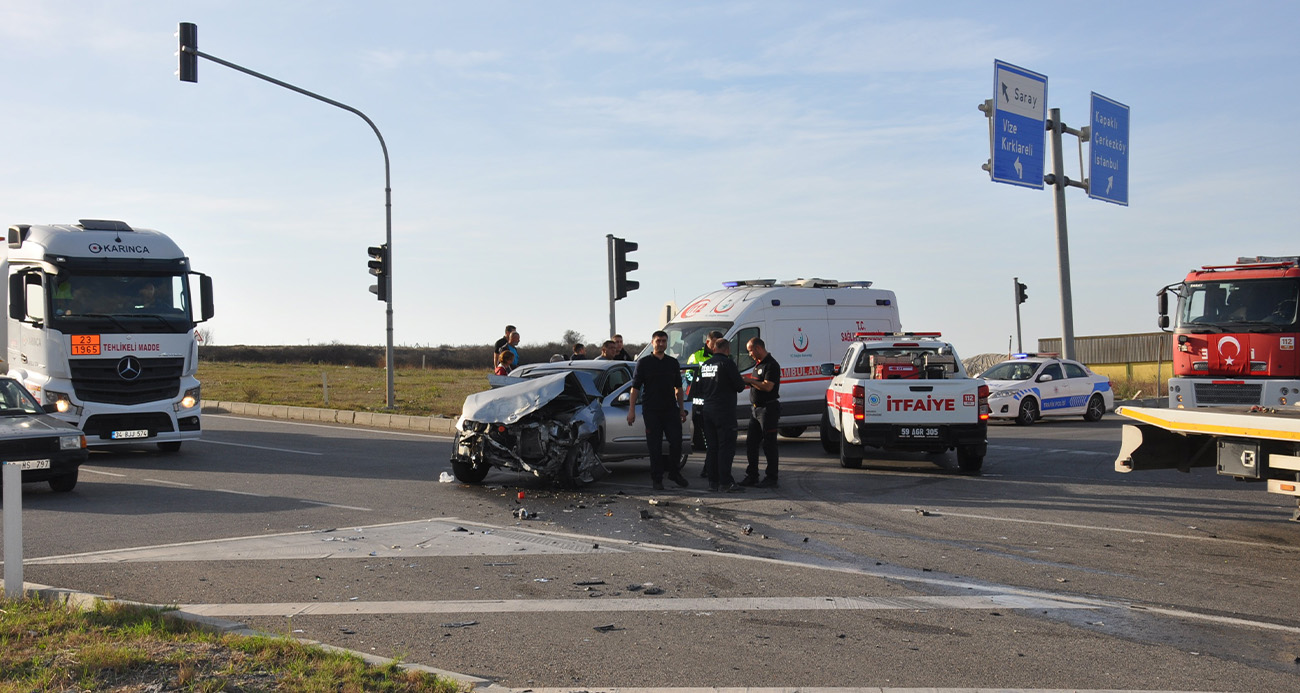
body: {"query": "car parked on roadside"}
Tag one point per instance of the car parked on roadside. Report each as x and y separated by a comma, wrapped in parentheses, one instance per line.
(1028, 387)
(560, 420)
(46, 448)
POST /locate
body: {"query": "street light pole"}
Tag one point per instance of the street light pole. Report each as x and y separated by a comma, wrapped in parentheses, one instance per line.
(188, 30)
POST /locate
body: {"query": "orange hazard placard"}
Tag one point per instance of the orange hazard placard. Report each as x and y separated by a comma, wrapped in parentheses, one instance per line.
(85, 345)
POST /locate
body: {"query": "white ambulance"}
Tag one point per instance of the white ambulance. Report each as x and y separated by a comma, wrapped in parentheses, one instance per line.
(804, 323)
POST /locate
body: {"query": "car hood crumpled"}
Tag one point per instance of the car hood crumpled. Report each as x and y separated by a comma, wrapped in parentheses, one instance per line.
(511, 403)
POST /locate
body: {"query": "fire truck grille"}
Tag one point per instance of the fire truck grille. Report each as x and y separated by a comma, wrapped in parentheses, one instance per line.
(100, 380)
(1236, 393)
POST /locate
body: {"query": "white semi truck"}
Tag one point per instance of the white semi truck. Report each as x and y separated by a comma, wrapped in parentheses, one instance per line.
(101, 325)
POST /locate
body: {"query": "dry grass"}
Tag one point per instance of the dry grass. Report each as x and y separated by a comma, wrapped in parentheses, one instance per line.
(54, 647)
(418, 392)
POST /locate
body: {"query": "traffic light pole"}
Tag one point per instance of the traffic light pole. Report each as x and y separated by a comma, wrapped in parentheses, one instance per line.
(1015, 292)
(388, 188)
(609, 252)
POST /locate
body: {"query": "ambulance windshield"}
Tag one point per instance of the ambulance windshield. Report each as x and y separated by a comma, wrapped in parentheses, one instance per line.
(119, 303)
(686, 338)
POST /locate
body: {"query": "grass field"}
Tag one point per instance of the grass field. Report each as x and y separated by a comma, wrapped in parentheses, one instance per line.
(418, 392)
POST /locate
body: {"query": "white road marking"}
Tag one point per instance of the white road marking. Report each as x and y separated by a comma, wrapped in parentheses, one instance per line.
(240, 493)
(260, 447)
(336, 505)
(335, 427)
(84, 468)
(170, 483)
(630, 604)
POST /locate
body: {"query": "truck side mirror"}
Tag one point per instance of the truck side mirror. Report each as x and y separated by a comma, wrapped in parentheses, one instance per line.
(205, 285)
(1162, 303)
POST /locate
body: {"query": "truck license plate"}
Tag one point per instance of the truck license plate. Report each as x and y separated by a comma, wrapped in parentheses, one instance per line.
(122, 435)
(32, 464)
(919, 432)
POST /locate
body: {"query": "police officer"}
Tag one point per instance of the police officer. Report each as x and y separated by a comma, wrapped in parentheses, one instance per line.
(697, 401)
(764, 393)
(720, 381)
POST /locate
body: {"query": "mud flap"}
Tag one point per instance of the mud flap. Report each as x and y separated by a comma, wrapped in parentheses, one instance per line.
(1143, 447)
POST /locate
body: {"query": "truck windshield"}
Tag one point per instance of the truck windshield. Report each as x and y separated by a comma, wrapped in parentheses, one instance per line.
(686, 338)
(118, 303)
(1250, 305)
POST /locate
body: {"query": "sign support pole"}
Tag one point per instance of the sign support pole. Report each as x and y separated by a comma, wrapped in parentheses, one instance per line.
(12, 476)
(1058, 181)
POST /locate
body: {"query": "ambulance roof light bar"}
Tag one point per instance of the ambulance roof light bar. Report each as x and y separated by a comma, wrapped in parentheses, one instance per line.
(749, 282)
(870, 336)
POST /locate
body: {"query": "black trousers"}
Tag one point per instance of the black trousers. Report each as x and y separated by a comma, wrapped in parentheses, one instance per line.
(720, 439)
(762, 433)
(657, 425)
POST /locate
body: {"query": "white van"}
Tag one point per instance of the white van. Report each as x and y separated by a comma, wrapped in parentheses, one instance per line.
(804, 323)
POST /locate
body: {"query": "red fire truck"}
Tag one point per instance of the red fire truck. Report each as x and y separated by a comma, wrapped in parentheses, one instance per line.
(1235, 334)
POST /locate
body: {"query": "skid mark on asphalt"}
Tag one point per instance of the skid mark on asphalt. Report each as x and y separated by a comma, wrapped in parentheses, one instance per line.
(693, 604)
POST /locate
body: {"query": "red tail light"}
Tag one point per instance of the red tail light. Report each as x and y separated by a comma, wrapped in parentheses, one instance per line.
(859, 402)
(984, 402)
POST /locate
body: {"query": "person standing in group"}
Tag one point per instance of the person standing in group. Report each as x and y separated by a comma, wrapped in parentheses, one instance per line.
(719, 383)
(512, 346)
(620, 354)
(579, 352)
(501, 343)
(505, 363)
(764, 397)
(606, 351)
(692, 382)
(657, 386)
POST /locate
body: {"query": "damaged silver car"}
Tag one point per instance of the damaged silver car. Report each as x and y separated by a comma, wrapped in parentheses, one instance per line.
(549, 427)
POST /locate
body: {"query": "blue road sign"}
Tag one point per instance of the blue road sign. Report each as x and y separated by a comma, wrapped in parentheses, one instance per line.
(1108, 160)
(1019, 124)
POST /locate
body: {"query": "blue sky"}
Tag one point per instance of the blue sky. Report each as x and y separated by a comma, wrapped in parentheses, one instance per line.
(731, 140)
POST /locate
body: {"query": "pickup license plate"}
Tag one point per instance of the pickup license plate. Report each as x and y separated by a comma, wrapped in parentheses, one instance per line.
(918, 432)
(31, 464)
(123, 435)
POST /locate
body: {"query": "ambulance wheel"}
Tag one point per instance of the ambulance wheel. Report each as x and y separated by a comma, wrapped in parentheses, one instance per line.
(829, 436)
(1096, 409)
(969, 462)
(467, 473)
(792, 431)
(64, 482)
(170, 446)
(846, 459)
(1028, 411)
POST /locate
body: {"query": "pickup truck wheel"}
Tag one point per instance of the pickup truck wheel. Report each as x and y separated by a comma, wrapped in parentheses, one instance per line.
(968, 462)
(829, 436)
(792, 431)
(846, 460)
(64, 482)
(1096, 409)
(1028, 411)
(467, 473)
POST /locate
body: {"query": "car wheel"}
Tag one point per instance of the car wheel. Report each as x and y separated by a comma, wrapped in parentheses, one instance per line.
(1096, 409)
(467, 473)
(846, 458)
(969, 462)
(64, 482)
(170, 446)
(793, 431)
(1028, 411)
(829, 436)
(575, 464)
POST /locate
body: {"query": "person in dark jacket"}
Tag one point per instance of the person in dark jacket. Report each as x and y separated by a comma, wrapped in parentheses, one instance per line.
(764, 397)
(657, 387)
(719, 383)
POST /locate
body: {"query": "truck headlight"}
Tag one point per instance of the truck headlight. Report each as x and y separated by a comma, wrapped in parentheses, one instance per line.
(190, 400)
(62, 403)
(72, 442)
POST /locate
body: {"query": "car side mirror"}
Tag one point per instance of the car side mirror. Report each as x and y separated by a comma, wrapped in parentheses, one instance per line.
(1044, 378)
(623, 399)
(830, 369)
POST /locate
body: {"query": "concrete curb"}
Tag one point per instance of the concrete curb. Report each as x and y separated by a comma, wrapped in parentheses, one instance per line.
(86, 602)
(439, 425)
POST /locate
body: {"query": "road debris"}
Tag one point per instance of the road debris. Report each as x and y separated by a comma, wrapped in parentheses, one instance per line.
(460, 624)
(645, 515)
(607, 628)
(652, 590)
(446, 478)
(747, 530)
(583, 583)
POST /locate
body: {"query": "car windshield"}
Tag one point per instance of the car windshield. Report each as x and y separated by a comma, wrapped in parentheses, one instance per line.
(118, 303)
(1265, 302)
(16, 401)
(686, 338)
(1011, 370)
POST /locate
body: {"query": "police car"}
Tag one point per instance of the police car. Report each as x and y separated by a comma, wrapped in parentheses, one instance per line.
(1030, 386)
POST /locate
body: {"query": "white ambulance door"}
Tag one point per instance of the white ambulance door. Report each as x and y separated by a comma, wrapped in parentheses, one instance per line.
(801, 346)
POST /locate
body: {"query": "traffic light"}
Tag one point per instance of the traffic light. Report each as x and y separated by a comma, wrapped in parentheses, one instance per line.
(379, 267)
(622, 265)
(1021, 295)
(189, 59)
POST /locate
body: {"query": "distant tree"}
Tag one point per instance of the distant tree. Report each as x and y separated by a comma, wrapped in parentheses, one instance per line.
(572, 337)
(204, 335)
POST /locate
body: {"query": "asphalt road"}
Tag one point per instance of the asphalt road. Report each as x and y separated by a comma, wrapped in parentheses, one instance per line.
(1050, 570)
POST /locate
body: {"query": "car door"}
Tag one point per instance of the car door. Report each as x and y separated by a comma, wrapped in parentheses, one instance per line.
(1053, 389)
(1080, 386)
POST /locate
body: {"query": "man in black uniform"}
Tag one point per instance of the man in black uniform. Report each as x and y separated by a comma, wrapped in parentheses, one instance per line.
(657, 383)
(764, 393)
(719, 383)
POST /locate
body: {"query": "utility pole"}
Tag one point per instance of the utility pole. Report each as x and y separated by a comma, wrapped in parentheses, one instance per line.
(188, 57)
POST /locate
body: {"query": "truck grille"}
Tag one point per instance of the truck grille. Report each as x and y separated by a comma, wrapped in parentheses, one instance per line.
(1223, 393)
(97, 380)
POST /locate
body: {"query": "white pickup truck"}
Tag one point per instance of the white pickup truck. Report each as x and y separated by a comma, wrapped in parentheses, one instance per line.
(904, 391)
